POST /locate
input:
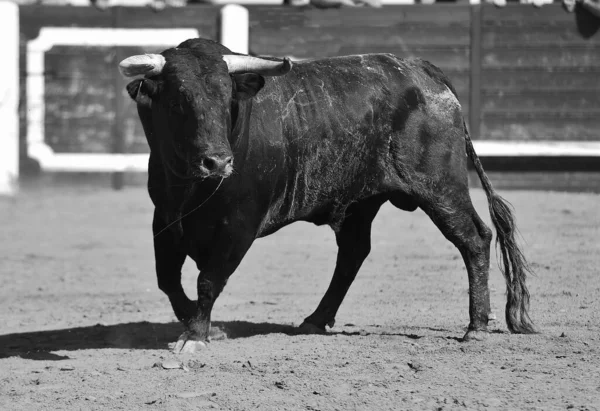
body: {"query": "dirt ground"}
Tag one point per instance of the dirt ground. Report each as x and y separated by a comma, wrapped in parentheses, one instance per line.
(84, 326)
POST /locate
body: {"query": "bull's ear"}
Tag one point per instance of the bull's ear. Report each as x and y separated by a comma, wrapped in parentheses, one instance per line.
(247, 85)
(142, 90)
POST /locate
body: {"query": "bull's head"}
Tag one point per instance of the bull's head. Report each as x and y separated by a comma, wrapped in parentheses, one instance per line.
(193, 93)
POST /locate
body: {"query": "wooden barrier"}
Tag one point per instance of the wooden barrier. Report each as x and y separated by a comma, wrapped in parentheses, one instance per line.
(527, 77)
(76, 115)
(540, 76)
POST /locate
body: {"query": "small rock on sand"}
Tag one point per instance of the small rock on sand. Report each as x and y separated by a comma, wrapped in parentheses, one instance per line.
(171, 364)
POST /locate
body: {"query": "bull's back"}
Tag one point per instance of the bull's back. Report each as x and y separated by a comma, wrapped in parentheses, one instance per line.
(327, 127)
(329, 95)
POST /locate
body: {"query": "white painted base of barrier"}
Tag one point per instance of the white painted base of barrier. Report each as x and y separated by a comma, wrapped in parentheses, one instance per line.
(96, 163)
(9, 98)
(485, 148)
(100, 163)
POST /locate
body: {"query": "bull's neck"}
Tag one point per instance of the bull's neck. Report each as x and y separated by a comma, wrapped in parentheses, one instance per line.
(240, 124)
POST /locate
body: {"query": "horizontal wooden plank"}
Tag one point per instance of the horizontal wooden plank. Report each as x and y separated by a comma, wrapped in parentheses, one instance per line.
(75, 93)
(573, 115)
(282, 17)
(555, 129)
(139, 147)
(89, 115)
(565, 35)
(33, 17)
(542, 57)
(98, 52)
(78, 137)
(519, 14)
(90, 52)
(408, 35)
(204, 18)
(65, 62)
(525, 101)
(135, 139)
(514, 79)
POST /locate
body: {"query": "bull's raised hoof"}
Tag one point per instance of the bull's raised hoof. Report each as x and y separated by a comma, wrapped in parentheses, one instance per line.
(476, 335)
(188, 343)
(183, 307)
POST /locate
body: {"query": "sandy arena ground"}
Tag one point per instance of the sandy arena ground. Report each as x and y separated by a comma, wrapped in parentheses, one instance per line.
(84, 326)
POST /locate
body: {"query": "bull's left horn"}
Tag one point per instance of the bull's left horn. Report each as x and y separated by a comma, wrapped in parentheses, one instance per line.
(247, 64)
(146, 64)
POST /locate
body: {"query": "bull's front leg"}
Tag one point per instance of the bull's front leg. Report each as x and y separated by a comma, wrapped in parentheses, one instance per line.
(226, 254)
(169, 255)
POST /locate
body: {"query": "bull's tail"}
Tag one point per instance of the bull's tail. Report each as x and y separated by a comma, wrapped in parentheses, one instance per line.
(514, 266)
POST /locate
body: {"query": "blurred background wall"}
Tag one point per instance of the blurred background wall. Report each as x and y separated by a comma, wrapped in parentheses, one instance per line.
(528, 77)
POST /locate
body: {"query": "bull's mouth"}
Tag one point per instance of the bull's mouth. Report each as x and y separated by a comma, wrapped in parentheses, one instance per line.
(198, 174)
(202, 173)
(196, 171)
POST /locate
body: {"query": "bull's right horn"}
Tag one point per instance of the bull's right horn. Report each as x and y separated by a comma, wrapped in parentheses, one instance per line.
(145, 64)
(248, 64)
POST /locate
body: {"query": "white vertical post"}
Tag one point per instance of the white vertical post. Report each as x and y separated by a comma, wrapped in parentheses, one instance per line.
(235, 27)
(9, 98)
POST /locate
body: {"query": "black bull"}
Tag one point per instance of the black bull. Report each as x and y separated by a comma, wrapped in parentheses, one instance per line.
(329, 142)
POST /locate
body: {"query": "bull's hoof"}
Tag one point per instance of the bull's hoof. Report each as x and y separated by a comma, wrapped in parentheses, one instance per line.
(476, 335)
(308, 328)
(187, 344)
(319, 321)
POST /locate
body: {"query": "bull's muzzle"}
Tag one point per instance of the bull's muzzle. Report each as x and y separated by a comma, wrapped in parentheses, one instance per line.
(215, 165)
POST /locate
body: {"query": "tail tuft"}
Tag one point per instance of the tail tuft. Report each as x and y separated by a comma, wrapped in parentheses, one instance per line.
(514, 265)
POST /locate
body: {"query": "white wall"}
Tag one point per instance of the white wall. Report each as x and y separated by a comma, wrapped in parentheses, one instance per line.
(9, 97)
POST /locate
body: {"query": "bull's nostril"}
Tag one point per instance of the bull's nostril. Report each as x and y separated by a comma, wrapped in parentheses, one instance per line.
(217, 164)
(209, 163)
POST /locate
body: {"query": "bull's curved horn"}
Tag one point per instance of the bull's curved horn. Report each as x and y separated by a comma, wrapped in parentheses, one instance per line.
(248, 64)
(145, 64)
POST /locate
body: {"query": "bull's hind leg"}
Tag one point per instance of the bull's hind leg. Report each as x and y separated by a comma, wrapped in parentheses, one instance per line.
(455, 216)
(354, 245)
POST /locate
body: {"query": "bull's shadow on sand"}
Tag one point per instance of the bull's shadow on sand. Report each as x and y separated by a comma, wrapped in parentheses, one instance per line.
(40, 345)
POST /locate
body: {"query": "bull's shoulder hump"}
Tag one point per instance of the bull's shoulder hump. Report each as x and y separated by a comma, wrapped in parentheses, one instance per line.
(377, 65)
(350, 59)
(432, 72)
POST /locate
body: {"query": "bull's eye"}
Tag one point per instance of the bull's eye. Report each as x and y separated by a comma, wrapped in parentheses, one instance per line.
(175, 108)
